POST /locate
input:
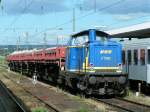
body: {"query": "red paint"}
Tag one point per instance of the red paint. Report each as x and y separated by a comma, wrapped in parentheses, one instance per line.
(43, 55)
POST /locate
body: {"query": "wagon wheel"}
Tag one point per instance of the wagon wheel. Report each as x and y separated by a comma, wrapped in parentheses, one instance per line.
(124, 92)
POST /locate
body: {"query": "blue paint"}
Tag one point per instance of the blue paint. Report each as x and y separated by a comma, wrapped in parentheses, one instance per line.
(98, 52)
(92, 35)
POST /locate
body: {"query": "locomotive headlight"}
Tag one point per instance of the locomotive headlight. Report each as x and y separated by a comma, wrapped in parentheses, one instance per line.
(119, 68)
(91, 66)
(92, 80)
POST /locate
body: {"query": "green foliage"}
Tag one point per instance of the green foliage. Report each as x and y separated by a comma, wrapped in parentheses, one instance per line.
(40, 109)
(2, 60)
(83, 110)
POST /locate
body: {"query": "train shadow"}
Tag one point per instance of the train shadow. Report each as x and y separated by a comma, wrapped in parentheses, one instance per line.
(76, 92)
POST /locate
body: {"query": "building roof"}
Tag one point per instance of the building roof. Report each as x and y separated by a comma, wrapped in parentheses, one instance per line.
(134, 31)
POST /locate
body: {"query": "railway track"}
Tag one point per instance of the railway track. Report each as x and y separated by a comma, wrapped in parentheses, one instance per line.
(125, 105)
(121, 104)
(51, 107)
(44, 98)
(8, 102)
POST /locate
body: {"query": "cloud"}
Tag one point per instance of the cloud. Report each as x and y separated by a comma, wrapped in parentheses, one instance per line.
(119, 6)
(124, 17)
(47, 6)
(34, 6)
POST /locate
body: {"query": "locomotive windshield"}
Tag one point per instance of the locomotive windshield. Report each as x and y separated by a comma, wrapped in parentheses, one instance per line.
(86, 36)
(101, 38)
(85, 39)
(80, 40)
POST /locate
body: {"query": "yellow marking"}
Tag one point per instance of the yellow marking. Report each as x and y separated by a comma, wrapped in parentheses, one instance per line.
(87, 63)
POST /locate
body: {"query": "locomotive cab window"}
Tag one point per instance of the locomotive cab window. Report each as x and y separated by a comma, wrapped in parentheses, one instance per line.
(148, 56)
(129, 57)
(79, 40)
(102, 38)
(135, 59)
(142, 56)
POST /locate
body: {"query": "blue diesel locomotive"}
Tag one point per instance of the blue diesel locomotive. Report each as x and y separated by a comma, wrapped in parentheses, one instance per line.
(94, 64)
(91, 63)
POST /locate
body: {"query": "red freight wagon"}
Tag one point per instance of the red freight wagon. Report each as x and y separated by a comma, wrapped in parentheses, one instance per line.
(54, 54)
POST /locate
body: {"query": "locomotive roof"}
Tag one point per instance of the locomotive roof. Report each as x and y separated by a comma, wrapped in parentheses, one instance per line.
(86, 32)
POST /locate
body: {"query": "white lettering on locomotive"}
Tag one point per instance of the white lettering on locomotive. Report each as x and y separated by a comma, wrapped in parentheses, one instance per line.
(105, 51)
(106, 58)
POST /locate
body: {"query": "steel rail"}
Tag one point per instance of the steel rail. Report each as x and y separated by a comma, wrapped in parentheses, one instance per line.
(140, 104)
(111, 104)
(126, 105)
(106, 101)
(51, 106)
(20, 105)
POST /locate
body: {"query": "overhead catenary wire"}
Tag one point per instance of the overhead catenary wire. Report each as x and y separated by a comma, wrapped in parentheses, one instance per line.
(116, 23)
(2, 7)
(79, 18)
(89, 14)
(23, 11)
(76, 19)
(17, 17)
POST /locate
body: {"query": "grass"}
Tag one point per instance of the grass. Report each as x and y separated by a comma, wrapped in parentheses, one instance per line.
(83, 110)
(2, 60)
(39, 109)
(139, 99)
(97, 107)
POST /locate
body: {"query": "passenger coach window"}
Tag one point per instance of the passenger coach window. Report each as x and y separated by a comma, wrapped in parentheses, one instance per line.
(135, 57)
(129, 57)
(123, 57)
(142, 56)
(148, 56)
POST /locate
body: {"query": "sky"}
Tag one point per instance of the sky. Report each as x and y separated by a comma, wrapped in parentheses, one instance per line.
(51, 21)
